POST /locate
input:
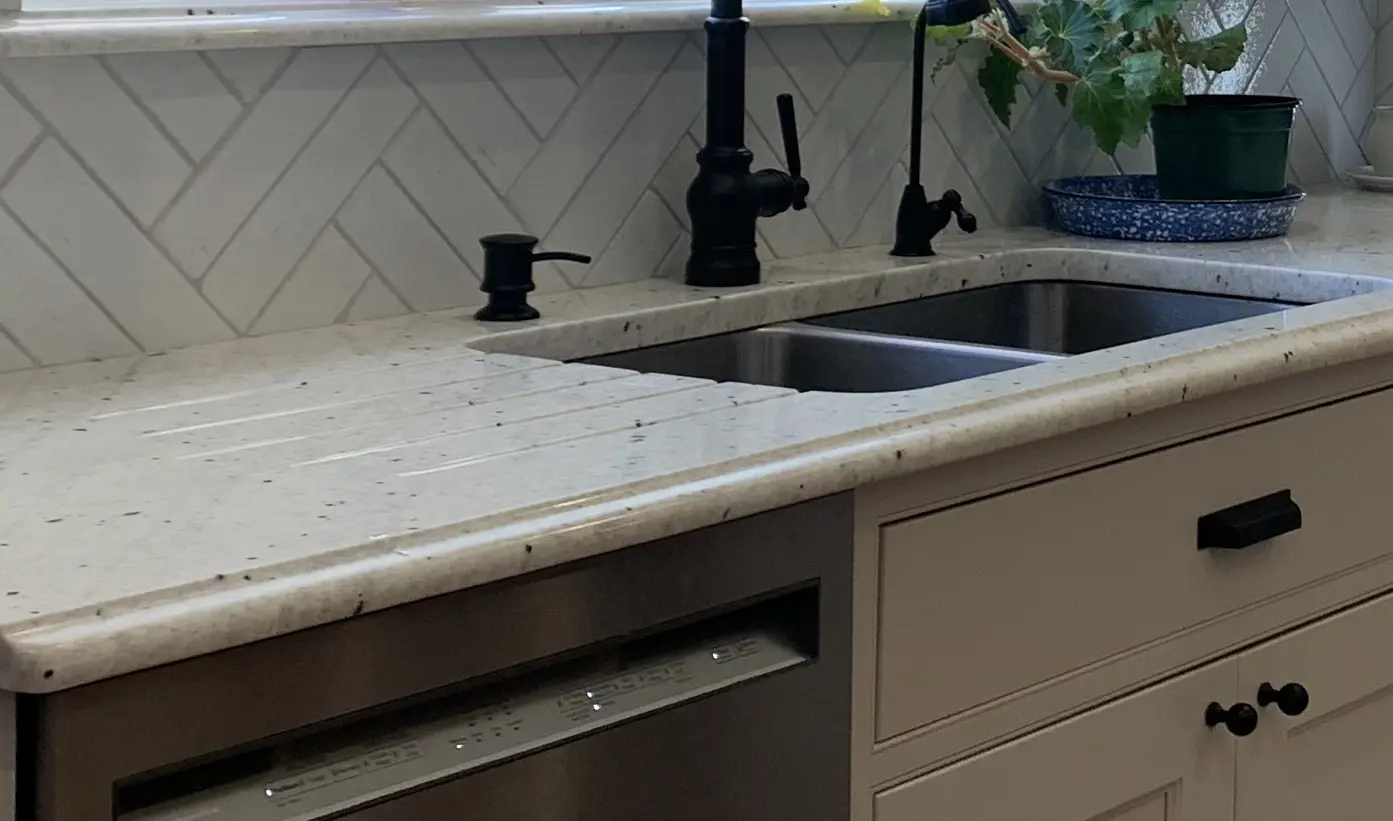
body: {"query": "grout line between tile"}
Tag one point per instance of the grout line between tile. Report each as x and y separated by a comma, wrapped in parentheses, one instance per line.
(77, 283)
(420, 209)
(348, 90)
(332, 220)
(342, 316)
(503, 92)
(427, 106)
(19, 346)
(357, 249)
(603, 153)
(223, 81)
(154, 120)
(212, 154)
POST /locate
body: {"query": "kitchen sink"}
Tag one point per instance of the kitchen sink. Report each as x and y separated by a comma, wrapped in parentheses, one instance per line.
(1055, 317)
(941, 339)
(808, 358)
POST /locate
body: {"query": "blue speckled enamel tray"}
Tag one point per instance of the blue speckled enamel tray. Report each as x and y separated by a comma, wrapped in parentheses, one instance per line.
(1128, 207)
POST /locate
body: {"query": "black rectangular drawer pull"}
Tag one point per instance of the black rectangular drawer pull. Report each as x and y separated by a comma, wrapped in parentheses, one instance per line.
(1250, 523)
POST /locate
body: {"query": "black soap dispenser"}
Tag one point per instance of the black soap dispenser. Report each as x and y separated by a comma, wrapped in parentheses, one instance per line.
(508, 262)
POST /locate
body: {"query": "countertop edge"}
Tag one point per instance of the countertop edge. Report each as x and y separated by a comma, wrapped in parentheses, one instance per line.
(59, 656)
(34, 34)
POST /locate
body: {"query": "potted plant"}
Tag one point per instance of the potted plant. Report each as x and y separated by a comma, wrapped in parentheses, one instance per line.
(1119, 66)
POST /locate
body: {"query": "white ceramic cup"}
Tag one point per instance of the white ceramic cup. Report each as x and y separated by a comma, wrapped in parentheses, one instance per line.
(1381, 141)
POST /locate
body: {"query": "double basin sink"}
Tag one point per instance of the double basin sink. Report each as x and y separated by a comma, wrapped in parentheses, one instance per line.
(941, 339)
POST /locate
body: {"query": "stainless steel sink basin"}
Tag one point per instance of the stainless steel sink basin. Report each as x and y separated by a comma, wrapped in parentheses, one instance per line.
(808, 358)
(1057, 317)
(942, 339)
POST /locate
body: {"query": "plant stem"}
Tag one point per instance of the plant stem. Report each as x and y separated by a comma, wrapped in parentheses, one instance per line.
(1168, 33)
(1006, 43)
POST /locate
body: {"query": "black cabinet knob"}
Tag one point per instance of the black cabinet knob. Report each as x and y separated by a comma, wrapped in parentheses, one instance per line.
(1240, 719)
(1292, 699)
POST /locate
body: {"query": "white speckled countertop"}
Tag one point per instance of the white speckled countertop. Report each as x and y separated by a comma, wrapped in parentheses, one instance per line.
(165, 507)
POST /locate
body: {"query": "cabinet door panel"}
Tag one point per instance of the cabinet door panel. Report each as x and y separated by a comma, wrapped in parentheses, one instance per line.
(1147, 757)
(1335, 760)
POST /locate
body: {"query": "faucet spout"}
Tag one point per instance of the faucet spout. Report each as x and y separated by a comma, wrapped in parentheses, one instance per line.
(725, 74)
(726, 197)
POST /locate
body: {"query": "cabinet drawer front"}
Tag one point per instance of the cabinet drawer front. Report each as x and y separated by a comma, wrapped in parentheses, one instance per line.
(980, 601)
(1134, 759)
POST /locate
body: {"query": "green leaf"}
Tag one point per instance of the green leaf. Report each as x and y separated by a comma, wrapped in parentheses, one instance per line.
(1136, 15)
(1219, 52)
(1097, 101)
(1071, 31)
(1147, 75)
(1170, 88)
(1061, 93)
(1118, 42)
(1103, 104)
(999, 76)
(1141, 72)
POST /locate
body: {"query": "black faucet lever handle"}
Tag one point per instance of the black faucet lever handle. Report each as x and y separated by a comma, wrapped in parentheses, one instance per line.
(793, 158)
(953, 201)
(967, 221)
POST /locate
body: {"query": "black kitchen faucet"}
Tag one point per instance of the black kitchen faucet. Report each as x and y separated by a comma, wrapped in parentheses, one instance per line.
(726, 197)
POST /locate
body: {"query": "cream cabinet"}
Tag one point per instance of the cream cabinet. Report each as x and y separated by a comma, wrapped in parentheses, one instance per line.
(1151, 756)
(1039, 635)
(1147, 757)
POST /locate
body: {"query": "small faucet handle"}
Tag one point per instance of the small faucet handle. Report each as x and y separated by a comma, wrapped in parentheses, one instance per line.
(788, 126)
(953, 201)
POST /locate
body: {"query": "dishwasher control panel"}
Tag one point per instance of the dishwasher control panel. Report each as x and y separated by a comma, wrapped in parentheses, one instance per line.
(385, 763)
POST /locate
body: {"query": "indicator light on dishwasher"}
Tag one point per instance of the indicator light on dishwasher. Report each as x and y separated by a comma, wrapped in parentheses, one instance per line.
(285, 788)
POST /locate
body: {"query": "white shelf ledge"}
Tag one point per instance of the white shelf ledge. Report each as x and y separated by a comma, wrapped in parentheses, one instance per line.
(112, 27)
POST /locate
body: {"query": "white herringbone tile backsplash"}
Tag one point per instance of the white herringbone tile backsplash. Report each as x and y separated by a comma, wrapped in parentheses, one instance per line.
(151, 201)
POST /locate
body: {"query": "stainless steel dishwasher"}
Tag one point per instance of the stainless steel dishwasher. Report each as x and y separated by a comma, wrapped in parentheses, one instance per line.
(705, 677)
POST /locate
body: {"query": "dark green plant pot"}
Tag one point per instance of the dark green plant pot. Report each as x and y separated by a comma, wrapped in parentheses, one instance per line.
(1223, 146)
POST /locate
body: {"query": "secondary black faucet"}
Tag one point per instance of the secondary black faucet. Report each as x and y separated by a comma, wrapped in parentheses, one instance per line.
(918, 220)
(726, 198)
